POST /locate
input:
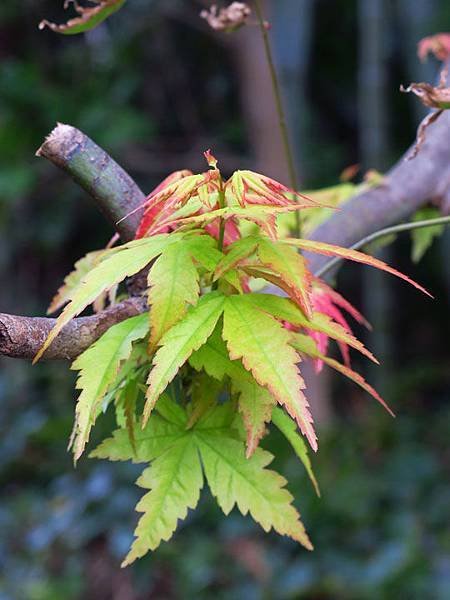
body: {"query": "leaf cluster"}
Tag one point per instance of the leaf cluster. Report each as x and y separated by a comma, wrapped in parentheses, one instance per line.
(196, 381)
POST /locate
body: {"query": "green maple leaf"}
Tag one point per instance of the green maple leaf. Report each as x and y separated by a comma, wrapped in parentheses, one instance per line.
(125, 261)
(289, 429)
(236, 252)
(175, 479)
(247, 483)
(255, 402)
(203, 249)
(88, 19)
(204, 393)
(292, 269)
(180, 342)
(262, 343)
(178, 458)
(255, 405)
(73, 280)
(307, 346)
(286, 310)
(158, 435)
(98, 367)
(423, 238)
(173, 282)
(348, 254)
(214, 359)
(125, 403)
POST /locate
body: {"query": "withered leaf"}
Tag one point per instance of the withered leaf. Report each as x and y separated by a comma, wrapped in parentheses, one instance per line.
(431, 96)
(88, 17)
(227, 19)
(437, 97)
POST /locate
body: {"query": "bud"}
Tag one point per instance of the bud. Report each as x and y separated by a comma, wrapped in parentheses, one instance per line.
(210, 159)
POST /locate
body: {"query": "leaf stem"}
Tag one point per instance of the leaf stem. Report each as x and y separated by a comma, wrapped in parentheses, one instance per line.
(383, 233)
(279, 108)
(222, 221)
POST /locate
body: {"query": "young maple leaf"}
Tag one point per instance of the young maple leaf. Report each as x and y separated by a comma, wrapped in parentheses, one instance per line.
(249, 188)
(73, 280)
(255, 403)
(97, 367)
(355, 255)
(288, 428)
(286, 311)
(231, 234)
(265, 216)
(327, 301)
(292, 269)
(176, 188)
(174, 283)
(179, 343)
(307, 347)
(257, 338)
(181, 458)
(117, 264)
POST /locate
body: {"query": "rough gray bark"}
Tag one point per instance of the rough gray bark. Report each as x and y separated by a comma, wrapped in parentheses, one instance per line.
(406, 187)
(22, 337)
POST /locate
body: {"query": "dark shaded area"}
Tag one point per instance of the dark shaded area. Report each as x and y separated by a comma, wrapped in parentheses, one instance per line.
(156, 88)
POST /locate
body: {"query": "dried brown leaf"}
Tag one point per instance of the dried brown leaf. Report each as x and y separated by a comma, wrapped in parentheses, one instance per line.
(89, 17)
(227, 19)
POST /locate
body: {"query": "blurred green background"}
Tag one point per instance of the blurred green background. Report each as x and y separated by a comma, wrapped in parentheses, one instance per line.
(155, 87)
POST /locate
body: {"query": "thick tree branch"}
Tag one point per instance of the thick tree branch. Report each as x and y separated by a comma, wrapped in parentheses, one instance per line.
(116, 194)
(406, 187)
(113, 190)
(22, 337)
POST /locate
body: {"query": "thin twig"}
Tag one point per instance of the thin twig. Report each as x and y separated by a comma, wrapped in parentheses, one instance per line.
(280, 109)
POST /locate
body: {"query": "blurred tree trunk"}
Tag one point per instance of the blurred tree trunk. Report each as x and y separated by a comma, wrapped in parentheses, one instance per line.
(414, 25)
(258, 107)
(374, 148)
(290, 33)
(291, 29)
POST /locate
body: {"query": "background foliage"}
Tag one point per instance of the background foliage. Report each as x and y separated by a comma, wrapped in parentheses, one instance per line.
(381, 529)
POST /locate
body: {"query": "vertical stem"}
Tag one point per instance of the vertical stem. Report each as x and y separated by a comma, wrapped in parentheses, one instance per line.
(279, 107)
(222, 221)
(374, 147)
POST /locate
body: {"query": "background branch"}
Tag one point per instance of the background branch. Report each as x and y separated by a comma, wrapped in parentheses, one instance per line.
(406, 187)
